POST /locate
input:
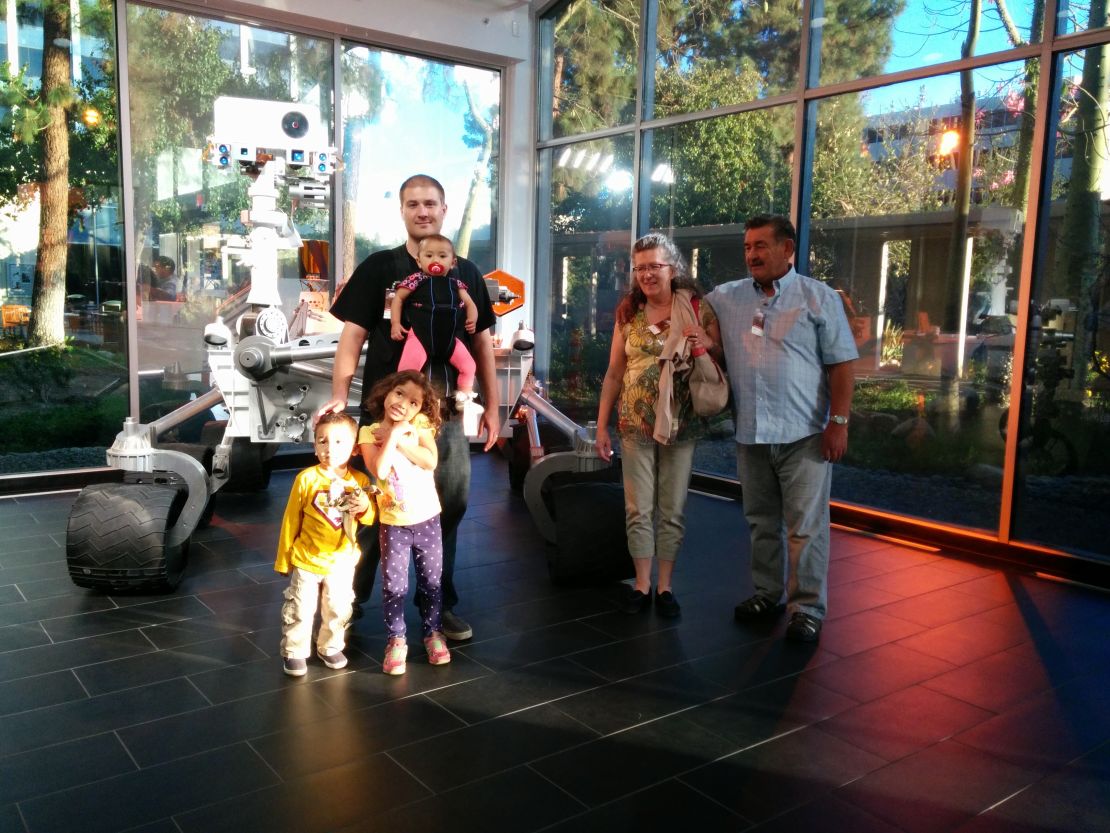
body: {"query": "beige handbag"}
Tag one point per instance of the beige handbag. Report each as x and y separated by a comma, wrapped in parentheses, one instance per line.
(708, 383)
(708, 386)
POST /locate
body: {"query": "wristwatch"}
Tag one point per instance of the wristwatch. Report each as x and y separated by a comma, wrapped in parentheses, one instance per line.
(838, 419)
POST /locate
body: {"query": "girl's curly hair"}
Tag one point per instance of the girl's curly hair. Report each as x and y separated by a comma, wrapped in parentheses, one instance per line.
(374, 402)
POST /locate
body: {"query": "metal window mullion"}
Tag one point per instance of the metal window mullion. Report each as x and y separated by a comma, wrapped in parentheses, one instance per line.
(127, 200)
(338, 262)
(801, 146)
(1046, 85)
(648, 13)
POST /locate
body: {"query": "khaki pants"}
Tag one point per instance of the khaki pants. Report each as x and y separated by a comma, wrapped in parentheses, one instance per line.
(656, 483)
(335, 594)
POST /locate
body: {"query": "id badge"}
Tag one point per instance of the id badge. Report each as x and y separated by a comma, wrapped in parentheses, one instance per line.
(757, 323)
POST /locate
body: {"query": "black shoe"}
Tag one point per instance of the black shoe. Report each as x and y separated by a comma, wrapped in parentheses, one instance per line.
(455, 627)
(666, 605)
(635, 602)
(757, 607)
(803, 628)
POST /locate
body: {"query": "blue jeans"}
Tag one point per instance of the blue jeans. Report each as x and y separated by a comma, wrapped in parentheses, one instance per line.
(453, 485)
(786, 502)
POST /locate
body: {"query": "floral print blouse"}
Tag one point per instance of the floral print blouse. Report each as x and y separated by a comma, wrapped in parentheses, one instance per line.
(643, 344)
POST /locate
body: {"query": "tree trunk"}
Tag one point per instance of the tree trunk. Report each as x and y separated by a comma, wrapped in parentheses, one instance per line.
(957, 252)
(1078, 246)
(466, 223)
(49, 293)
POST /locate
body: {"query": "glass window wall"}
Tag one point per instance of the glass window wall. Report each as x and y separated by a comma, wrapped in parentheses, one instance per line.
(714, 53)
(915, 200)
(590, 49)
(192, 245)
(1063, 449)
(63, 372)
(404, 115)
(916, 216)
(850, 39)
(585, 270)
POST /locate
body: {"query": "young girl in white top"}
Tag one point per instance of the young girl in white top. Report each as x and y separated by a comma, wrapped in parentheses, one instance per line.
(399, 450)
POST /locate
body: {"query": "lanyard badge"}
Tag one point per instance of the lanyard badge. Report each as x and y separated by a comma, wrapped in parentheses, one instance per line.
(757, 323)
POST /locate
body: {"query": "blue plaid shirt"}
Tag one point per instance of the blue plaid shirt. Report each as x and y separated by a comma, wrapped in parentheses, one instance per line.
(779, 385)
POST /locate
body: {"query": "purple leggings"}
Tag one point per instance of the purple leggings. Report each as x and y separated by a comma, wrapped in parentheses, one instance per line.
(424, 543)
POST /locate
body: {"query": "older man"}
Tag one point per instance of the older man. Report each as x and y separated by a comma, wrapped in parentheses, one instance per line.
(789, 352)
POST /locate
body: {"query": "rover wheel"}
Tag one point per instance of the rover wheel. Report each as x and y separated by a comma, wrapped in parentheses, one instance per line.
(117, 537)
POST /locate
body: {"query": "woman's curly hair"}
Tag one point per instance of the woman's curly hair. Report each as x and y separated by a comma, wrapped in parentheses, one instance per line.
(635, 300)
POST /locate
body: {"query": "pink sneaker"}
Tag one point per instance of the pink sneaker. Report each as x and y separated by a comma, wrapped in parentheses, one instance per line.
(396, 652)
(436, 646)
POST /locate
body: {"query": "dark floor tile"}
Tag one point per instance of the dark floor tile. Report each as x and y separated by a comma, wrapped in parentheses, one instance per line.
(1074, 799)
(846, 571)
(235, 598)
(521, 688)
(662, 808)
(173, 609)
(964, 641)
(38, 692)
(10, 593)
(828, 814)
(190, 631)
(515, 801)
(467, 754)
(514, 650)
(904, 722)
(878, 672)
(19, 613)
(620, 705)
(42, 659)
(856, 597)
(663, 645)
(15, 637)
(313, 747)
(62, 766)
(865, 630)
(760, 662)
(157, 741)
(36, 550)
(150, 795)
(319, 803)
(891, 557)
(996, 682)
(1049, 729)
(915, 580)
(938, 788)
(939, 607)
(168, 664)
(554, 610)
(768, 711)
(10, 819)
(46, 588)
(34, 572)
(633, 760)
(771, 778)
(81, 718)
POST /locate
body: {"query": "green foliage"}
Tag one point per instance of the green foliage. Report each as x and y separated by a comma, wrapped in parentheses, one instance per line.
(68, 425)
(885, 397)
(38, 374)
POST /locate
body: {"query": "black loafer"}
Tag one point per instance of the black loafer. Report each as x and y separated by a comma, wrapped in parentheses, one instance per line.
(635, 602)
(756, 608)
(666, 605)
(803, 628)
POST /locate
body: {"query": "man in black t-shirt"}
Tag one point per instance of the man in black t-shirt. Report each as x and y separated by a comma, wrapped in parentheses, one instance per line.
(361, 305)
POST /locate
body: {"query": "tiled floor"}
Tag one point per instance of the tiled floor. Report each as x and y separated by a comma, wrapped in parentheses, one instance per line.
(944, 695)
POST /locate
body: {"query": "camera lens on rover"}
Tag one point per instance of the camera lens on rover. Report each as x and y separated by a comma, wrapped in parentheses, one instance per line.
(294, 124)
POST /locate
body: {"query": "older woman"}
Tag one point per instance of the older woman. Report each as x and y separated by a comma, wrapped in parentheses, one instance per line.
(657, 432)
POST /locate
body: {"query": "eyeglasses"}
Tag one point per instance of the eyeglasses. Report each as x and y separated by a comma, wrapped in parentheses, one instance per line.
(654, 268)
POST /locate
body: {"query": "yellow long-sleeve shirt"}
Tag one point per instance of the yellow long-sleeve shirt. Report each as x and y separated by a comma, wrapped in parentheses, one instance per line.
(312, 536)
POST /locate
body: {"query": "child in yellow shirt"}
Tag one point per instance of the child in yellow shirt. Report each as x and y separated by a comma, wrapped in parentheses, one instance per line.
(317, 547)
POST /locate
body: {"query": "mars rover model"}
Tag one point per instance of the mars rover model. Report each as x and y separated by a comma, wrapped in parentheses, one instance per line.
(135, 534)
